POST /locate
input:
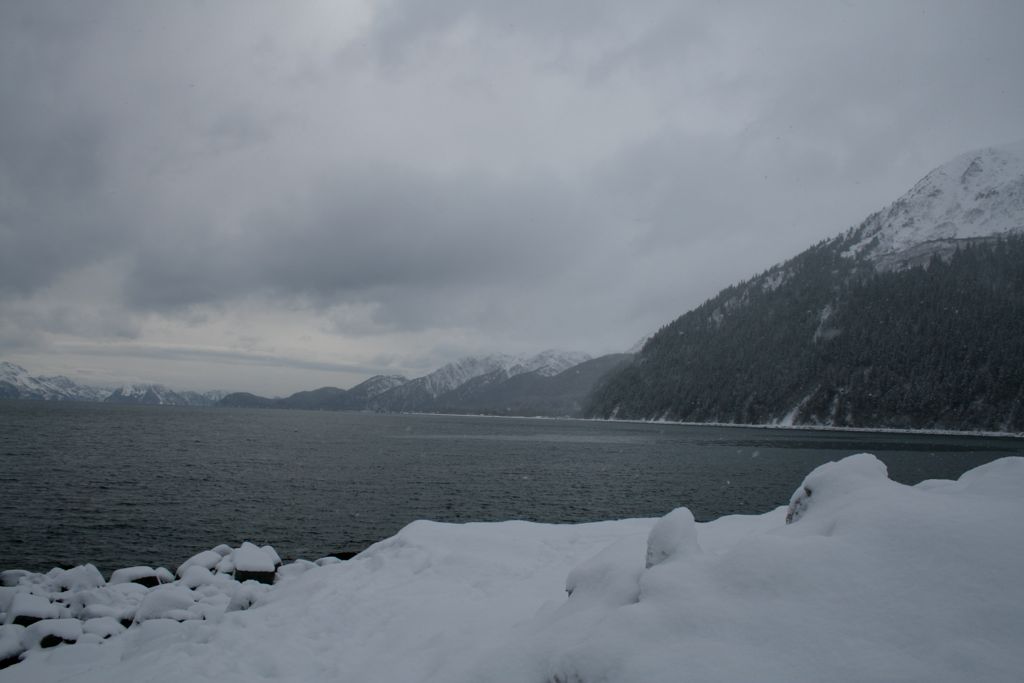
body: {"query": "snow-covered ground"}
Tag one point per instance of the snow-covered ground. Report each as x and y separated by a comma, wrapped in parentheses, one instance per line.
(869, 581)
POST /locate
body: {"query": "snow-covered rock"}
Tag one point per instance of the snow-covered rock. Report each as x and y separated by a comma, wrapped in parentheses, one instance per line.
(167, 602)
(208, 559)
(80, 578)
(146, 576)
(11, 643)
(27, 608)
(251, 558)
(52, 632)
(104, 627)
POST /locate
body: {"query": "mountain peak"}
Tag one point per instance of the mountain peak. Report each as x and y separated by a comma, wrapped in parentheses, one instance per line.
(977, 195)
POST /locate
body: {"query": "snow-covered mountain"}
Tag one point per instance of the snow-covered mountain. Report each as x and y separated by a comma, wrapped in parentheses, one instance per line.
(16, 382)
(421, 393)
(454, 375)
(159, 395)
(978, 195)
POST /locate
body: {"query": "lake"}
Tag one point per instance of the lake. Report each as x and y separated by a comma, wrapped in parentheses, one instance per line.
(125, 485)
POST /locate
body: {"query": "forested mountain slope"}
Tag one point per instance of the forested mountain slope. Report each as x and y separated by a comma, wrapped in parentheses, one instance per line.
(914, 319)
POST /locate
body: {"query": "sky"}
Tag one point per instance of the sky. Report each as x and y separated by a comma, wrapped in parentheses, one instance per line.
(270, 197)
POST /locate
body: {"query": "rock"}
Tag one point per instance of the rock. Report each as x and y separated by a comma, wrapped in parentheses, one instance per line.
(80, 578)
(144, 576)
(166, 602)
(104, 627)
(12, 577)
(208, 559)
(254, 564)
(11, 647)
(52, 632)
(275, 558)
(246, 596)
(28, 608)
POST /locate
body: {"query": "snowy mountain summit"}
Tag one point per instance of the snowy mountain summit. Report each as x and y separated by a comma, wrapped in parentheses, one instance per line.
(455, 374)
(975, 196)
(159, 395)
(17, 383)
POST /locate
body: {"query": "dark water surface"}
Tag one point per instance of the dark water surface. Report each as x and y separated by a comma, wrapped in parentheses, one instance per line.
(126, 485)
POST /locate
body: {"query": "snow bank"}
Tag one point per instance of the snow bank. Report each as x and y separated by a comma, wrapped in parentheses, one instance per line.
(869, 581)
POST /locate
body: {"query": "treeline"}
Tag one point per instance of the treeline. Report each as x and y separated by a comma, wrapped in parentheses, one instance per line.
(825, 339)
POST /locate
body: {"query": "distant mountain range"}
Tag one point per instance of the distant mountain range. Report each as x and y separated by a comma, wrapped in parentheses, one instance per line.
(17, 383)
(552, 383)
(913, 319)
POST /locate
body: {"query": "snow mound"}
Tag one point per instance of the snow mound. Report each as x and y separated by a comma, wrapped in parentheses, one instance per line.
(674, 535)
(835, 480)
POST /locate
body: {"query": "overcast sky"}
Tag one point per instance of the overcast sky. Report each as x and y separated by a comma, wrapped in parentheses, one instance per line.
(272, 196)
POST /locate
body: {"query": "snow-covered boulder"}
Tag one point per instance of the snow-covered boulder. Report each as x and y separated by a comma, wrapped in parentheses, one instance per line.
(144, 576)
(253, 563)
(11, 644)
(104, 627)
(246, 595)
(11, 577)
(272, 554)
(27, 608)
(7, 594)
(80, 578)
(208, 559)
(52, 632)
(166, 602)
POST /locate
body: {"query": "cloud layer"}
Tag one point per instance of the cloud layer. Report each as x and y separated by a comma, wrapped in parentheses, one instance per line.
(270, 197)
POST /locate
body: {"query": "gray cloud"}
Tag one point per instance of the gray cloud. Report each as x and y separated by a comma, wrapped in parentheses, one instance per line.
(411, 181)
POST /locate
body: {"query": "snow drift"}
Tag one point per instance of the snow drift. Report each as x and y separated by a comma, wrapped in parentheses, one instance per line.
(869, 580)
